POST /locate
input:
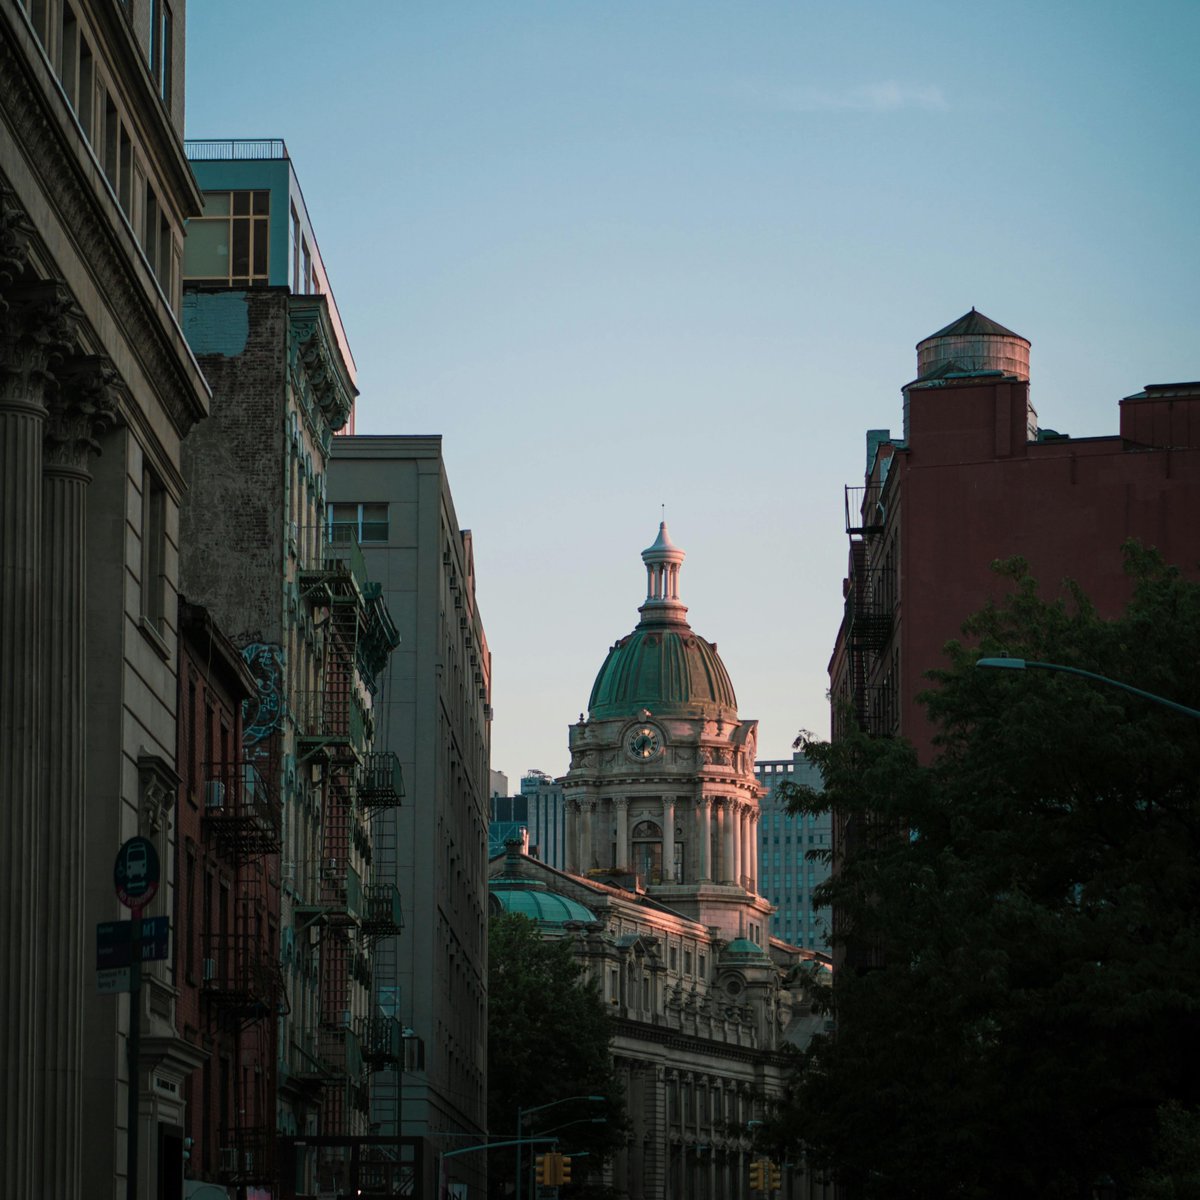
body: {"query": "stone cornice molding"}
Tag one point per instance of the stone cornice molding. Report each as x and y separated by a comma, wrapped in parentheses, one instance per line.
(104, 242)
(316, 358)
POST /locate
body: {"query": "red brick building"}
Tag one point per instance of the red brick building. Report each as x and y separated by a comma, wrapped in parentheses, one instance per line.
(227, 912)
(972, 479)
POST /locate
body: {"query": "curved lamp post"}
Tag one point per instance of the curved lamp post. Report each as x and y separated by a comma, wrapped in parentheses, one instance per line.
(1026, 664)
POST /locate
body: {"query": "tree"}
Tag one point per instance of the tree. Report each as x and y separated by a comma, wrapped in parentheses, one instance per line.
(1030, 901)
(548, 1038)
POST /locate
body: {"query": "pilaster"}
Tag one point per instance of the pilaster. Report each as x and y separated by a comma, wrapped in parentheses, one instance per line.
(36, 330)
(79, 410)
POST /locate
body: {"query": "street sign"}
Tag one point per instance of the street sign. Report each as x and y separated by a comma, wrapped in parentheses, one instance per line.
(114, 942)
(112, 979)
(135, 873)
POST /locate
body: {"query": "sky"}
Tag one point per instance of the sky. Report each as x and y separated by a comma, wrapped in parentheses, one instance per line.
(622, 255)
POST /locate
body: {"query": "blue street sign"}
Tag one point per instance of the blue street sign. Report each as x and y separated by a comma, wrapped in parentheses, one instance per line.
(114, 942)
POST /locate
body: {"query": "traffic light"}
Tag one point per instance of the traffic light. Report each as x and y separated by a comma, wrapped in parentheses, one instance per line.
(758, 1173)
(776, 1173)
(187, 1148)
(564, 1168)
(542, 1173)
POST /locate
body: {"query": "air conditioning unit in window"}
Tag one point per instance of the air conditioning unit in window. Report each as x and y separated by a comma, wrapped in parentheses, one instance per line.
(214, 794)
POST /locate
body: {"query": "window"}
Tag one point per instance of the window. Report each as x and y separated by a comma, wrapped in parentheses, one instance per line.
(154, 550)
(161, 47)
(362, 522)
(229, 244)
(647, 851)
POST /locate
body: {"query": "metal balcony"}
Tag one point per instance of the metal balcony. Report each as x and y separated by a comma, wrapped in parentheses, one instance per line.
(247, 1155)
(243, 820)
(239, 977)
(380, 781)
(865, 513)
(382, 913)
(382, 1041)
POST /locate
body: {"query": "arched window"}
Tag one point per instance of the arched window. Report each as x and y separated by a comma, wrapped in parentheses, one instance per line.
(647, 851)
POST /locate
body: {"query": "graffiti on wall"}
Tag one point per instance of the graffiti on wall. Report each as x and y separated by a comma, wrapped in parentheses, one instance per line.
(263, 713)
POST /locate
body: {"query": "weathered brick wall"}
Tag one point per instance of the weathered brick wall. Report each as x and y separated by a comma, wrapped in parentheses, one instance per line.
(233, 523)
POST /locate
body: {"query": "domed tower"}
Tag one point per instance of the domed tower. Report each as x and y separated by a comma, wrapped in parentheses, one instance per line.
(661, 793)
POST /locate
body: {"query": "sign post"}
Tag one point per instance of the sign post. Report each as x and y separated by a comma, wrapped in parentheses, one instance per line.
(135, 875)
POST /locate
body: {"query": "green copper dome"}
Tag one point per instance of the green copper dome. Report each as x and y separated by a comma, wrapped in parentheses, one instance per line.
(742, 947)
(662, 665)
(666, 669)
(544, 907)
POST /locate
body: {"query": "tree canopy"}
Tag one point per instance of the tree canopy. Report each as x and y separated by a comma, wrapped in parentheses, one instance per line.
(1023, 1018)
(548, 1039)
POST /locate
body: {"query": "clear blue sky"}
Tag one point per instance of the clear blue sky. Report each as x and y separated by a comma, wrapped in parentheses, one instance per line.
(628, 253)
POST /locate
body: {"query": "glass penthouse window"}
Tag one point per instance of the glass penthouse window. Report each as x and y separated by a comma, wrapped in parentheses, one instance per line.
(228, 245)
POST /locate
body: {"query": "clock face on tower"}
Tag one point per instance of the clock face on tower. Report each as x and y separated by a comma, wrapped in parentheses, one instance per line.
(643, 743)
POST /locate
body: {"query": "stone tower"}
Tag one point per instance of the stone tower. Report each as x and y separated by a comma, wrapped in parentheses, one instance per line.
(661, 792)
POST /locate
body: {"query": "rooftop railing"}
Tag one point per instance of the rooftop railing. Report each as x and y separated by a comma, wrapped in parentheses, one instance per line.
(234, 149)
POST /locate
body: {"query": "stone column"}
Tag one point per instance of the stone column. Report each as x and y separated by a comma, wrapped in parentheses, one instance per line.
(624, 858)
(729, 873)
(735, 838)
(35, 331)
(747, 846)
(80, 411)
(703, 838)
(571, 836)
(668, 842)
(722, 855)
(752, 818)
(587, 815)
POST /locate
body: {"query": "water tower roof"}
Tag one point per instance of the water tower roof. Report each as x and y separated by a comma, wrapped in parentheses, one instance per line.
(973, 323)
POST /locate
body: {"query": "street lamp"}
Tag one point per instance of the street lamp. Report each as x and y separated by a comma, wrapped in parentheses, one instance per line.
(1024, 664)
(522, 1113)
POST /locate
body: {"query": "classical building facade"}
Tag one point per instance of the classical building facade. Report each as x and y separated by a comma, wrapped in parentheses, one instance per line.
(97, 392)
(661, 900)
(434, 710)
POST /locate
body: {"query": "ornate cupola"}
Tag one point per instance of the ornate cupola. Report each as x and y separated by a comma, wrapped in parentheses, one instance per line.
(661, 794)
(663, 561)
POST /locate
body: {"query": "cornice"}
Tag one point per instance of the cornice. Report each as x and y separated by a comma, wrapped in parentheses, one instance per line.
(689, 1043)
(314, 350)
(121, 277)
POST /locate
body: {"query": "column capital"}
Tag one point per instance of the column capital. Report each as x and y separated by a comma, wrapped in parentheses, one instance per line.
(38, 328)
(15, 232)
(80, 410)
(703, 801)
(621, 803)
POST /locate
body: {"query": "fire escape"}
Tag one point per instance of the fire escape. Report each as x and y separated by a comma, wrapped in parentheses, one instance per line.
(242, 985)
(345, 906)
(870, 606)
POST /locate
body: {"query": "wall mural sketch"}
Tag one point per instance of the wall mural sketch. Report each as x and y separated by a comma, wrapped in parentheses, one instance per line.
(263, 714)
